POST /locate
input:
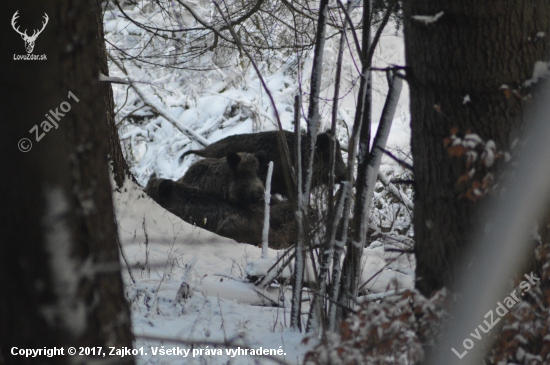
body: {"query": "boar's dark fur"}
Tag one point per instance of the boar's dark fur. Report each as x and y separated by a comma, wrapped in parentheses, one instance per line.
(267, 141)
(207, 210)
(233, 178)
(282, 224)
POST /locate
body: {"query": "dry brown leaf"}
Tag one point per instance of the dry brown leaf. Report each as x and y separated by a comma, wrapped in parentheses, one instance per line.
(456, 151)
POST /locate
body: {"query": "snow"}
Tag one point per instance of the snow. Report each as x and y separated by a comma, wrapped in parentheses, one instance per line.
(160, 247)
(540, 70)
(66, 273)
(428, 19)
(267, 199)
(191, 286)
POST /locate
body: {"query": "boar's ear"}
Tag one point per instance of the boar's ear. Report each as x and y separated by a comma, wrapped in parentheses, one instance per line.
(233, 160)
(262, 158)
(323, 141)
(165, 189)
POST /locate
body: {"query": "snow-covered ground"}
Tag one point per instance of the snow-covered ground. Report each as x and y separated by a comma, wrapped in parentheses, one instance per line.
(189, 289)
(161, 252)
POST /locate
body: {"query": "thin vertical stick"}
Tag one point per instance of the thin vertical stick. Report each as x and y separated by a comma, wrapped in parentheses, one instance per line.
(267, 199)
(341, 238)
(295, 309)
(375, 157)
(317, 311)
(335, 98)
(361, 144)
(315, 89)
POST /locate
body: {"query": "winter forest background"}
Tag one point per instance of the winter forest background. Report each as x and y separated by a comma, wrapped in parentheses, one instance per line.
(442, 215)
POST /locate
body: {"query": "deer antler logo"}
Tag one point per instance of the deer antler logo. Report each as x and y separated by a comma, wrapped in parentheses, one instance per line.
(29, 40)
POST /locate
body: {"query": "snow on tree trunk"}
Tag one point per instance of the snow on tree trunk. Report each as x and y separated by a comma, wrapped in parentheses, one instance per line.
(315, 89)
(360, 144)
(379, 144)
(339, 244)
(317, 310)
(296, 304)
(60, 273)
(335, 100)
(500, 252)
(267, 198)
(435, 52)
(364, 195)
(332, 218)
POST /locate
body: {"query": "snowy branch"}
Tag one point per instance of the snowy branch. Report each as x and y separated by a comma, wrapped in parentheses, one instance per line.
(428, 19)
(160, 110)
(394, 191)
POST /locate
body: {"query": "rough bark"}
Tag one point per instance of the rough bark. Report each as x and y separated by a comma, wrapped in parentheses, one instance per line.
(118, 163)
(362, 126)
(59, 267)
(473, 49)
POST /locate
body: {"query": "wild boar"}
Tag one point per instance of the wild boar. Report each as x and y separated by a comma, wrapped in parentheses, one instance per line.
(207, 210)
(233, 178)
(267, 141)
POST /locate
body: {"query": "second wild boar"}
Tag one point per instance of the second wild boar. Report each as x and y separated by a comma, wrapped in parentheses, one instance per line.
(267, 141)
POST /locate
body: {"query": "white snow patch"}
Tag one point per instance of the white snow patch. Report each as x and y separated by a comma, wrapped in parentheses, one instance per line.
(66, 274)
(115, 80)
(428, 19)
(466, 99)
(540, 70)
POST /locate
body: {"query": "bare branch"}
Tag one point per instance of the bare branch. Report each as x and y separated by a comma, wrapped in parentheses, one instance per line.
(159, 110)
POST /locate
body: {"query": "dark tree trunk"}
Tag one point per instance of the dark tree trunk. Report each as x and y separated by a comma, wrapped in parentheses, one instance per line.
(473, 49)
(59, 267)
(118, 163)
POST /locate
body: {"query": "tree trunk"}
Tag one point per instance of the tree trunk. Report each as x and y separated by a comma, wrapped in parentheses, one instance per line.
(59, 267)
(471, 49)
(119, 167)
(352, 262)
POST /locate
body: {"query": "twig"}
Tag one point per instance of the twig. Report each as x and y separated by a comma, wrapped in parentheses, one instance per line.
(403, 181)
(390, 261)
(159, 110)
(391, 68)
(353, 31)
(274, 303)
(283, 147)
(221, 315)
(267, 198)
(377, 296)
(125, 260)
(379, 32)
(407, 165)
(394, 191)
